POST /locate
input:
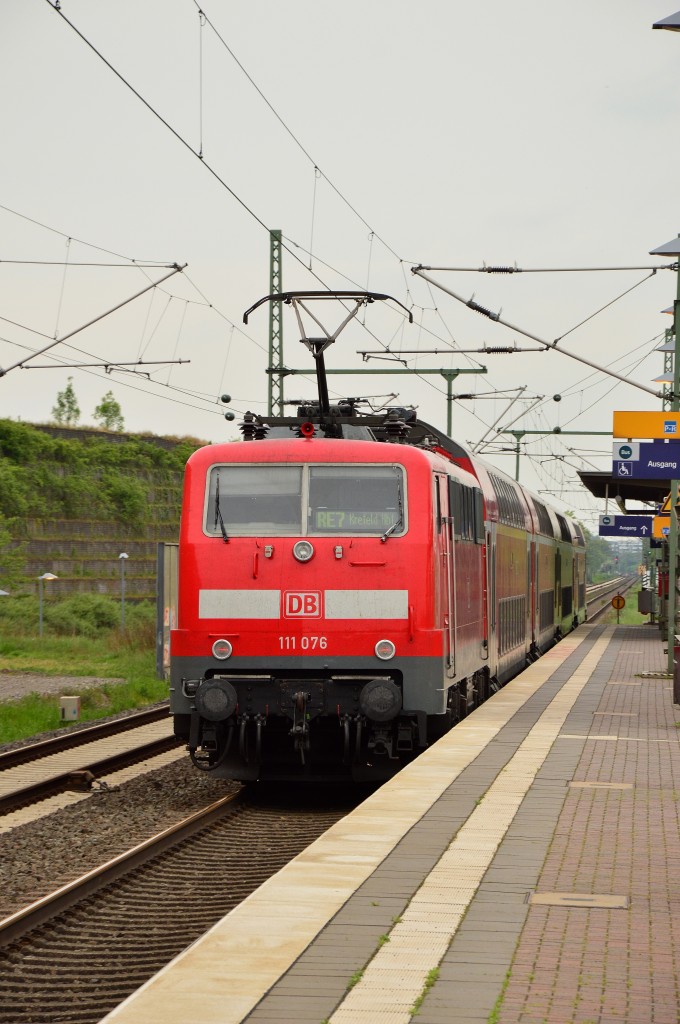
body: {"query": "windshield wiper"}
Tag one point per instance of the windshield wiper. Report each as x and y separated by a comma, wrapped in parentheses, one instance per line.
(218, 513)
(400, 503)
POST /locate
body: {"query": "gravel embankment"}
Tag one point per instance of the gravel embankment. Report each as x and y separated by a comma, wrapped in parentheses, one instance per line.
(15, 685)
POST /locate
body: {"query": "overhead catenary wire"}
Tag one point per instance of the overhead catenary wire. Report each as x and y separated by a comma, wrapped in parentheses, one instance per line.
(89, 245)
(108, 366)
(290, 132)
(546, 270)
(58, 341)
(428, 382)
(130, 263)
(471, 304)
(54, 4)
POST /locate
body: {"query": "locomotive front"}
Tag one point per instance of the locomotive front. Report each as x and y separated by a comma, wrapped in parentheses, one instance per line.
(306, 644)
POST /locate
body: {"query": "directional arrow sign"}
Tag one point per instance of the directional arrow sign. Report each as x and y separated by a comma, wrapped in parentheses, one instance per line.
(625, 526)
(648, 460)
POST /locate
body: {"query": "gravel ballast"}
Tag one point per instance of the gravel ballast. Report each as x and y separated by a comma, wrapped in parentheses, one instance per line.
(40, 856)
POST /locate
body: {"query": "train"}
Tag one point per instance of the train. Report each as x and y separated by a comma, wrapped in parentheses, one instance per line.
(350, 587)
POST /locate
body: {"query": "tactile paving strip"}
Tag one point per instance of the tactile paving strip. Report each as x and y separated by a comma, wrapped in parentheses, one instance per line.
(463, 867)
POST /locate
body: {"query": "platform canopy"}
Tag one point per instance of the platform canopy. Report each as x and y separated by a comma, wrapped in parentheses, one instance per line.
(604, 485)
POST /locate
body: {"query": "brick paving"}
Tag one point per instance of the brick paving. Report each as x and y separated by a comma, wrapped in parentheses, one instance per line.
(596, 966)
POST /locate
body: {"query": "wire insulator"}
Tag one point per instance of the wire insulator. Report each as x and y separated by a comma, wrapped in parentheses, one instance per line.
(249, 427)
(395, 427)
(499, 350)
(501, 270)
(480, 309)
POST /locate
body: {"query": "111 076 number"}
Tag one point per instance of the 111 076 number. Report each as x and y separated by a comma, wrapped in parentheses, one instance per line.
(303, 643)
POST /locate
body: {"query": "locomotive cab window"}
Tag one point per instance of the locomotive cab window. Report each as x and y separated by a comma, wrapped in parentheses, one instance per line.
(355, 499)
(270, 500)
(254, 500)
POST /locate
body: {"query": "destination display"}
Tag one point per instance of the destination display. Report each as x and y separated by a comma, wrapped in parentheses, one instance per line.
(625, 526)
(646, 460)
(327, 520)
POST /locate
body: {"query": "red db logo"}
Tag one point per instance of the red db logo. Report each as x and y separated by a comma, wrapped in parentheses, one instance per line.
(302, 605)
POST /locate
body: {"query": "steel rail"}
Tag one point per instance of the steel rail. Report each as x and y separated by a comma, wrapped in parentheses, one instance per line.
(617, 586)
(37, 913)
(69, 740)
(68, 779)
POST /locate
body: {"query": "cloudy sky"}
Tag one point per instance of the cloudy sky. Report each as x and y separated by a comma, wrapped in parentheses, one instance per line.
(376, 136)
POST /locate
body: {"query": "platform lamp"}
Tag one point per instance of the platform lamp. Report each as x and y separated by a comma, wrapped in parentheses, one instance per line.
(672, 22)
(41, 581)
(123, 557)
(672, 248)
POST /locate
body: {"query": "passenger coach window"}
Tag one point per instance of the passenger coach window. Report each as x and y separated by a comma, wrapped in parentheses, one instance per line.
(255, 500)
(355, 499)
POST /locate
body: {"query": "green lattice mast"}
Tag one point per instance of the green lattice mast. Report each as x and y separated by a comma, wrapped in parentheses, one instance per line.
(275, 396)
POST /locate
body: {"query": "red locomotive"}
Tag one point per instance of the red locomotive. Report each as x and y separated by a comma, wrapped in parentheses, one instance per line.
(344, 600)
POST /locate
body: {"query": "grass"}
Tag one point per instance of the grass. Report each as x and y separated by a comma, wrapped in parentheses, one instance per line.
(430, 980)
(355, 979)
(109, 655)
(494, 1016)
(628, 616)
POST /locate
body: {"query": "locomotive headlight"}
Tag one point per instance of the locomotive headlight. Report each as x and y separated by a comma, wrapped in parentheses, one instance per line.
(222, 649)
(380, 700)
(216, 699)
(385, 649)
(303, 550)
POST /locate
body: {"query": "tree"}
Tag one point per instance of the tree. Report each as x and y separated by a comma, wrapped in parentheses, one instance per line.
(67, 411)
(599, 557)
(108, 413)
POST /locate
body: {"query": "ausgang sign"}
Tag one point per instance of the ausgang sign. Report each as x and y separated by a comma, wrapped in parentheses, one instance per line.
(647, 424)
(646, 460)
(625, 526)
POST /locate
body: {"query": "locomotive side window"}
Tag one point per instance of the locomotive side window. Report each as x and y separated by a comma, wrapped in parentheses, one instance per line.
(465, 505)
(355, 499)
(254, 500)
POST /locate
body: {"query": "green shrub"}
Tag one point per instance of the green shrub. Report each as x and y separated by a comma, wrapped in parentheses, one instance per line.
(18, 615)
(127, 496)
(82, 615)
(13, 496)
(140, 627)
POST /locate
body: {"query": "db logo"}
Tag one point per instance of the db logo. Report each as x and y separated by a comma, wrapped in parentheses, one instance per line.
(299, 605)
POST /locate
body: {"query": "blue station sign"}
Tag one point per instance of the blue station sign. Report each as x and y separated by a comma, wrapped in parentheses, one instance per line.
(625, 526)
(646, 460)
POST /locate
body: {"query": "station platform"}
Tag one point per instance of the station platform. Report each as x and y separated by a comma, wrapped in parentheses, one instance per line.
(525, 869)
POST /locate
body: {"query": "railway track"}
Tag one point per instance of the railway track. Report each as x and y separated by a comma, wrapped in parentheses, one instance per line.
(67, 761)
(76, 954)
(598, 597)
(77, 737)
(38, 770)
